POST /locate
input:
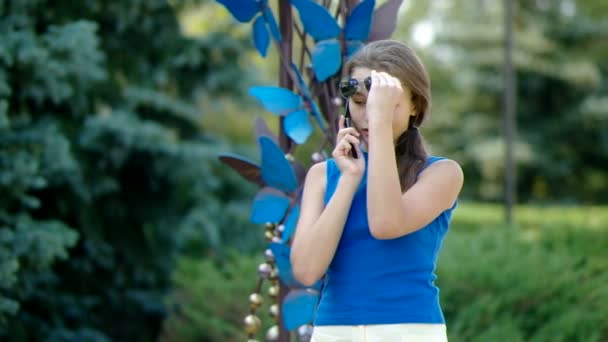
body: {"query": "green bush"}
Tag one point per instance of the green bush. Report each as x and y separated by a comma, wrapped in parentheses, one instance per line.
(210, 299)
(544, 284)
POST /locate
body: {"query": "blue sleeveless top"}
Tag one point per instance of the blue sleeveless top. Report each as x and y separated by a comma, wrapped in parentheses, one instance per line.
(371, 281)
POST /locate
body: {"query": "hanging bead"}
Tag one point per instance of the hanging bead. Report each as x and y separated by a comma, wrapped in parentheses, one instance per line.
(274, 311)
(337, 101)
(272, 335)
(317, 157)
(269, 225)
(274, 274)
(277, 239)
(269, 235)
(289, 157)
(268, 255)
(255, 300)
(273, 291)
(304, 333)
(264, 270)
(252, 324)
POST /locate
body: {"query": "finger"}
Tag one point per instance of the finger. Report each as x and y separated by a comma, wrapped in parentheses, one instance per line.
(340, 150)
(383, 78)
(341, 122)
(376, 79)
(349, 130)
(346, 131)
(396, 83)
(351, 139)
(344, 148)
(390, 80)
(394, 80)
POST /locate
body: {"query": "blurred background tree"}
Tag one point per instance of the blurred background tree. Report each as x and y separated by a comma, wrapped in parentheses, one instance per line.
(562, 114)
(106, 171)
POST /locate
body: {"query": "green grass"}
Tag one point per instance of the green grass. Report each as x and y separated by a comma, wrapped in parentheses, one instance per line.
(487, 216)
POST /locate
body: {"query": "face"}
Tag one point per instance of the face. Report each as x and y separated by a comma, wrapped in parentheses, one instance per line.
(357, 106)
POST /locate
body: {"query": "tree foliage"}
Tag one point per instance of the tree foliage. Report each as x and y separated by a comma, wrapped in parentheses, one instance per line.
(562, 97)
(105, 172)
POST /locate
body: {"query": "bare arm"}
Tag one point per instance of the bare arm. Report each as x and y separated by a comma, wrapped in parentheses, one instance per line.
(392, 214)
(319, 229)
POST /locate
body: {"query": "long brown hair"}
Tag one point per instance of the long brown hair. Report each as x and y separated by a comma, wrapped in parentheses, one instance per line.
(399, 60)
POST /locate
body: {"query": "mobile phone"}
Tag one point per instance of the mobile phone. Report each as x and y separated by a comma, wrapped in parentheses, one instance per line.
(347, 123)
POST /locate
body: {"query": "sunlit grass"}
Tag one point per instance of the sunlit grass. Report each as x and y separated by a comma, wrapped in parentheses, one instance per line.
(487, 216)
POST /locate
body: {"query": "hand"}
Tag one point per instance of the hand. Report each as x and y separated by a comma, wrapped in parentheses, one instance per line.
(347, 138)
(384, 97)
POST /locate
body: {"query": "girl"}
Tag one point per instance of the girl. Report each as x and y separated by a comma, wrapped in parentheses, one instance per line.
(373, 225)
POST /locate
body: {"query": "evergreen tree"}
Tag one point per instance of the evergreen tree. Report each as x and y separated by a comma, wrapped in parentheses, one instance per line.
(105, 173)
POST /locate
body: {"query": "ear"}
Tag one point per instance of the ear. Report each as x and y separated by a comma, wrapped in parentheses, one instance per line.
(414, 110)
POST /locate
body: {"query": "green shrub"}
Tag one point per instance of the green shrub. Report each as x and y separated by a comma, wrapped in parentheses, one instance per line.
(519, 285)
(210, 299)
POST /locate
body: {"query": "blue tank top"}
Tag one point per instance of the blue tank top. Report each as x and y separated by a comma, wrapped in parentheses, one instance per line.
(371, 281)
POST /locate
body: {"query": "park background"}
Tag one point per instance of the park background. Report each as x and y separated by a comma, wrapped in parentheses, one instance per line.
(119, 223)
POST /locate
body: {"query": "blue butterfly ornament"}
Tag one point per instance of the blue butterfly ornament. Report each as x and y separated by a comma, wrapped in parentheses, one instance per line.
(269, 205)
(323, 28)
(245, 10)
(275, 176)
(284, 102)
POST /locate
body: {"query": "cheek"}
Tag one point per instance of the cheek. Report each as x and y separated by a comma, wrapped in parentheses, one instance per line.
(357, 110)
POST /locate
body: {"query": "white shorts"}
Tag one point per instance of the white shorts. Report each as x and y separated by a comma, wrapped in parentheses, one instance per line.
(380, 333)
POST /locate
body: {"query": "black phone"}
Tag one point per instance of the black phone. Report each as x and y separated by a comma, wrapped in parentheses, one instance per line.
(347, 123)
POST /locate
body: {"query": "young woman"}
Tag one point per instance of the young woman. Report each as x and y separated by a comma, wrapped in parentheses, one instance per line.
(373, 225)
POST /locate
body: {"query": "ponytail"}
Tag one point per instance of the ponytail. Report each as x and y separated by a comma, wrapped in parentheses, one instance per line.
(411, 156)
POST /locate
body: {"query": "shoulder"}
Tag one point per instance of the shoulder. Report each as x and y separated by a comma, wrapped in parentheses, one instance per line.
(317, 173)
(444, 168)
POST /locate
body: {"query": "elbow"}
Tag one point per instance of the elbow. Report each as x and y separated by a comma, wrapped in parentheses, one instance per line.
(381, 234)
(383, 230)
(303, 273)
(308, 280)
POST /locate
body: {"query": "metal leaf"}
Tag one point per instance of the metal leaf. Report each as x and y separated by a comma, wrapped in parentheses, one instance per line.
(247, 169)
(384, 21)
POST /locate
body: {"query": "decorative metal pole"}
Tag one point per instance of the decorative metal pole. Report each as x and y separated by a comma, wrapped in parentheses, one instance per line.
(286, 50)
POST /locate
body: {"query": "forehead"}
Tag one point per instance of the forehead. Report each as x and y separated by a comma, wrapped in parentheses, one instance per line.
(360, 73)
